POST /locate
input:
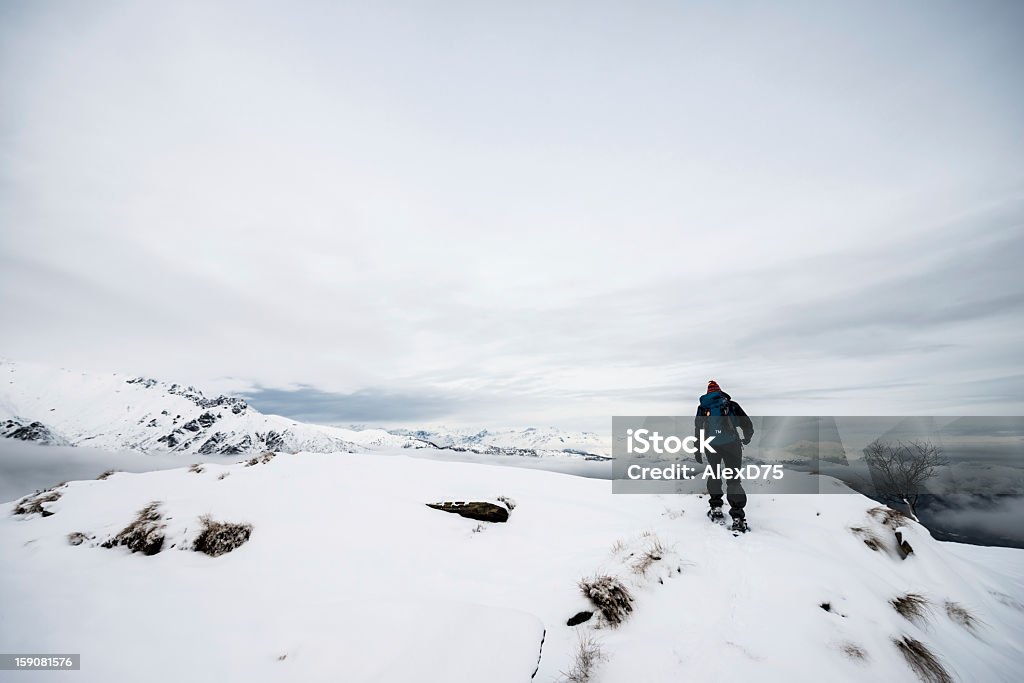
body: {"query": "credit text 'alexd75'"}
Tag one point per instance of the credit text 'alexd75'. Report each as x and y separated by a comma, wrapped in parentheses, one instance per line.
(680, 471)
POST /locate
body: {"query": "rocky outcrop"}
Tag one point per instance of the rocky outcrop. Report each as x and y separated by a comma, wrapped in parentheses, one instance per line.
(480, 511)
(33, 431)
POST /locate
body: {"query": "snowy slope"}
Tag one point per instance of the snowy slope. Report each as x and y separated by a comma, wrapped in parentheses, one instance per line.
(349, 576)
(114, 412)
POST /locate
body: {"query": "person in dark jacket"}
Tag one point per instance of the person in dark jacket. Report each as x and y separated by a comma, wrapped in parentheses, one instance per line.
(720, 416)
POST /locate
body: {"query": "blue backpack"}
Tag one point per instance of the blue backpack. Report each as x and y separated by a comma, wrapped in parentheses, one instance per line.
(716, 406)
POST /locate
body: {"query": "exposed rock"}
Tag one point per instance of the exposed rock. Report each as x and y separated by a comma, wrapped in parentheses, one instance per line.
(207, 419)
(902, 545)
(481, 511)
(213, 444)
(243, 446)
(33, 431)
(191, 425)
(273, 441)
(170, 439)
(579, 618)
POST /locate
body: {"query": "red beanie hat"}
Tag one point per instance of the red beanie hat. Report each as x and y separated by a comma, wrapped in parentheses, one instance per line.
(713, 386)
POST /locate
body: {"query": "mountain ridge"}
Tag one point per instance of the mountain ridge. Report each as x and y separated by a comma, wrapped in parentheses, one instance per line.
(56, 406)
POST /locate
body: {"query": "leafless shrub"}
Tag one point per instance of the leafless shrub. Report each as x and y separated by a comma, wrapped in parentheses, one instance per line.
(853, 651)
(911, 606)
(33, 504)
(888, 516)
(196, 468)
(900, 470)
(144, 535)
(611, 598)
(588, 656)
(870, 538)
(217, 538)
(961, 615)
(618, 547)
(105, 475)
(922, 661)
(509, 503)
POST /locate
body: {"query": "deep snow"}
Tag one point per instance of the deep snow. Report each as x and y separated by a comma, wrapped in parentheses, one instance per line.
(349, 576)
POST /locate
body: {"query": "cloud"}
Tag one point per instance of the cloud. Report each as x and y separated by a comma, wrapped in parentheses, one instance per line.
(563, 212)
(310, 404)
(986, 518)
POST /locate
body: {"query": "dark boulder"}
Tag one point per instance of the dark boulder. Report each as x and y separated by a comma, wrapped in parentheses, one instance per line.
(579, 618)
(483, 512)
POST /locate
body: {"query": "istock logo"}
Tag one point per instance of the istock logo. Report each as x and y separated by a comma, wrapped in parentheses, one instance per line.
(645, 441)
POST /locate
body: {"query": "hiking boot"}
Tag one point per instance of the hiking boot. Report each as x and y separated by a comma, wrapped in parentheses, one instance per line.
(739, 525)
(716, 515)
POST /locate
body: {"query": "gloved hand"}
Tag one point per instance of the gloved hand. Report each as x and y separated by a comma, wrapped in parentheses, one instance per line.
(699, 457)
(746, 440)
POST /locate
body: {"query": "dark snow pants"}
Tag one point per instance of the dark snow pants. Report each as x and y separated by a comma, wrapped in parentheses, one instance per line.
(728, 455)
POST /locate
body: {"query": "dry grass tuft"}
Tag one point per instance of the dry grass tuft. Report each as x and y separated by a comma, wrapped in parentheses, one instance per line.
(654, 553)
(106, 475)
(618, 547)
(961, 615)
(261, 459)
(611, 598)
(888, 516)
(853, 651)
(145, 534)
(911, 606)
(196, 468)
(922, 661)
(217, 538)
(870, 538)
(588, 656)
(33, 505)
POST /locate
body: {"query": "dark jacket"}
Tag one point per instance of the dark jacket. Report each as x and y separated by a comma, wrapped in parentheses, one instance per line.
(738, 418)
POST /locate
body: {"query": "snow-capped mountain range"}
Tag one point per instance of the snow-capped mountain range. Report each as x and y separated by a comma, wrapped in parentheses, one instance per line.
(117, 412)
(531, 438)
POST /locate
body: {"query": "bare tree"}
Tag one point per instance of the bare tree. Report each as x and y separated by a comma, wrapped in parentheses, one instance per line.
(900, 470)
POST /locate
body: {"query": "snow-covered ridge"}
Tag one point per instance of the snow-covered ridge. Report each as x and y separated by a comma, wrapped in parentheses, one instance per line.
(114, 412)
(348, 575)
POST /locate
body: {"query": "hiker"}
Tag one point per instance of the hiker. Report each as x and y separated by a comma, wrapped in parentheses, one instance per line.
(720, 416)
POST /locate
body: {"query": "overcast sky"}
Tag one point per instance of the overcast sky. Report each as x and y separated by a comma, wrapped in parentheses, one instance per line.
(516, 213)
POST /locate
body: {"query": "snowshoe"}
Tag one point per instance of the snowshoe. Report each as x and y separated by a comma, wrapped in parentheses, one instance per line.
(739, 526)
(716, 516)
